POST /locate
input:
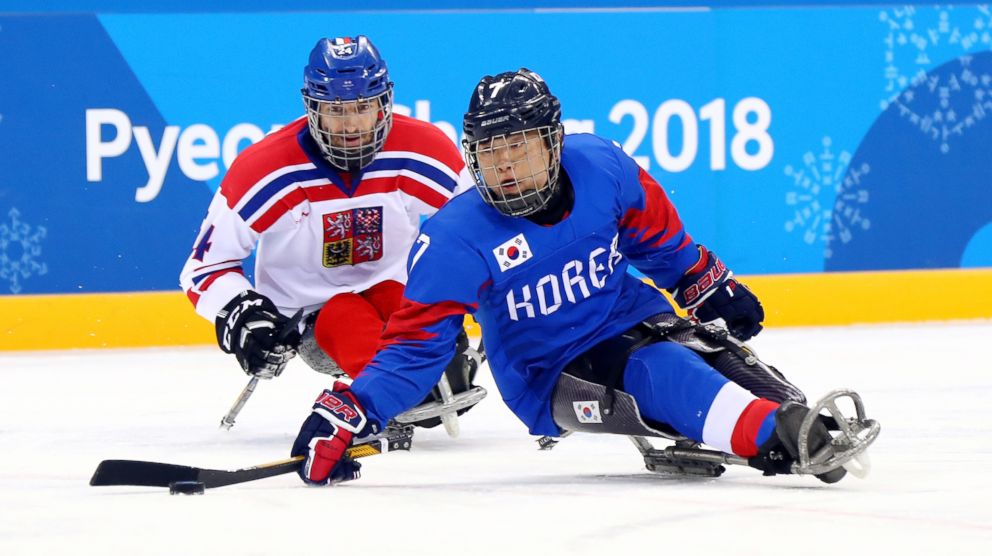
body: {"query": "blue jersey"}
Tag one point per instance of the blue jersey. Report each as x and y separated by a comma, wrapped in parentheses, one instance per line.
(542, 294)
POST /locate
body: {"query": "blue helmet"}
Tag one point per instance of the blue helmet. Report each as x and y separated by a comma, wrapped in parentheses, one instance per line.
(349, 100)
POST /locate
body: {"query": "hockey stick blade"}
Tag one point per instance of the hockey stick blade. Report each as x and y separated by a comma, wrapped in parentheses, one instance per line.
(122, 472)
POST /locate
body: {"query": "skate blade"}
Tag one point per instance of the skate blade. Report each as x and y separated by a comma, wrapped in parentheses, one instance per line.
(439, 409)
(848, 448)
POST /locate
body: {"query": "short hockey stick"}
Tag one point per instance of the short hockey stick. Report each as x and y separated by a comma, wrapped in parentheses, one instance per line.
(119, 472)
(227, 421)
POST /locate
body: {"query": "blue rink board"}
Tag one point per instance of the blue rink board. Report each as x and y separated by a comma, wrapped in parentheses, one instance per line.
(854, 138)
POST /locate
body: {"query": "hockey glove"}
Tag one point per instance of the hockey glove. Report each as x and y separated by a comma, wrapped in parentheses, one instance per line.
(710, 294)
(251, 328)
(327, 433)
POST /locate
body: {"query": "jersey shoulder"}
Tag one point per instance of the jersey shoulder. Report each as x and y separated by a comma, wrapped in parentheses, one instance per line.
(588, 151)
(463, 211)
(465, 220)
(596, 164)
(453, 242)
(276, 152)
(425, 139)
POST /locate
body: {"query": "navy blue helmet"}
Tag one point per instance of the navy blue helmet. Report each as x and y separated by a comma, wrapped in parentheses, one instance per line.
(349, 100)
(512, 144)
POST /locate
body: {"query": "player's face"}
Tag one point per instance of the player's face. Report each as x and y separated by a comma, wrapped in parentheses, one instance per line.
(514, 164)
(351, 125)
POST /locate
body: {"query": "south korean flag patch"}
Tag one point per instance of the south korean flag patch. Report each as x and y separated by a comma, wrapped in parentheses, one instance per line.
(512, 253)
(587, 412)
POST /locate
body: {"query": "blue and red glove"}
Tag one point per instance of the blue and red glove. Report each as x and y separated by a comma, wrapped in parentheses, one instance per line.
(709, 293)
(327, 434)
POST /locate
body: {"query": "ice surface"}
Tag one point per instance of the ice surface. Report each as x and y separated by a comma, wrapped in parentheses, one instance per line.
(490, 491)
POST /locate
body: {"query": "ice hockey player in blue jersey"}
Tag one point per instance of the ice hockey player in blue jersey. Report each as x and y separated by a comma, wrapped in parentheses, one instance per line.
(539, 256)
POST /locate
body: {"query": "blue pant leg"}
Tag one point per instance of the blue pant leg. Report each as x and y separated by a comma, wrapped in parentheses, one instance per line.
(672, 384)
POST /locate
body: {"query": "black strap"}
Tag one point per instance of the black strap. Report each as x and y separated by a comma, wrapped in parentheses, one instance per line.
(617, 371)
(719, 337)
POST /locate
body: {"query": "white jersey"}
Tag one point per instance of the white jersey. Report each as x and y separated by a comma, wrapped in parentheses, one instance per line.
(319, 232)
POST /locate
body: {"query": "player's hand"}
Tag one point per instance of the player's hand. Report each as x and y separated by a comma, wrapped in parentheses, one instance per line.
(326, 435)
(259, 336)
(711, 294)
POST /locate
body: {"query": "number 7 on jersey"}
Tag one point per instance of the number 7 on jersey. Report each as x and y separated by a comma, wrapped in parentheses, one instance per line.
(419, 246)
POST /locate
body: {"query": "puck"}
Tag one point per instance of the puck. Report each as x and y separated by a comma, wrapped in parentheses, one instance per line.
(187, 487)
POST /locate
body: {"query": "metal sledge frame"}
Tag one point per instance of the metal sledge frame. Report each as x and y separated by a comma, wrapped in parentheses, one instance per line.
(450, 403)
(847, 450)
(684, 458)
(687, 458)
(446, 409)
(857, 433)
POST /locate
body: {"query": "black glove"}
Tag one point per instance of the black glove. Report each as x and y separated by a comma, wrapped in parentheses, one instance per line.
(259, 336)
(709, 292)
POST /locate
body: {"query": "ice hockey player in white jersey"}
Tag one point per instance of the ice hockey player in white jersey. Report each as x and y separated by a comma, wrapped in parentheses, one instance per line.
(540, 257)
(331, 203)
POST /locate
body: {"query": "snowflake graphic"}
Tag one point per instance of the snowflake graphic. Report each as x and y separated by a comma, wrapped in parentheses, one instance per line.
(944, 107)
(817, 186)
(851, 196)
(20, 247)
(916, 40)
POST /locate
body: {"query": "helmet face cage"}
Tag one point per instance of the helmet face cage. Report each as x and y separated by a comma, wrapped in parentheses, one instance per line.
(350, 132)
(517, 173)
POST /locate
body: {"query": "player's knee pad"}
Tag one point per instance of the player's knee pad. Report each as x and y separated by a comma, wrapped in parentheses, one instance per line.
(581, 405)
(728, 355)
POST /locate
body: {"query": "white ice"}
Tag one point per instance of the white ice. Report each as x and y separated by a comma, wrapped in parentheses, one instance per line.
(490, 491)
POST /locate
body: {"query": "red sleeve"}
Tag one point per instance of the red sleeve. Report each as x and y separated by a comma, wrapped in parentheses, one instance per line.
(655, 221)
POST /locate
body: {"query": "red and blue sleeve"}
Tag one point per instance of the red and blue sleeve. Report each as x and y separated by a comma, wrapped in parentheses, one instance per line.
(652, 236)
(420, 336)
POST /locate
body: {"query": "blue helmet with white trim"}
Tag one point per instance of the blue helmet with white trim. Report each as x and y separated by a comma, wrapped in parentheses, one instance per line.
(349, 100)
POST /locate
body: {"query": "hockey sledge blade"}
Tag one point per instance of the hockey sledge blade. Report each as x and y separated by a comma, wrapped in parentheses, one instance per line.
(436, 409)
(120, 472)
(848, 448)
(685, 459)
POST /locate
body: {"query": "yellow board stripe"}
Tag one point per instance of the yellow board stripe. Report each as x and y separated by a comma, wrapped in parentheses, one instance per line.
(100, 321)
(39, 322)
(872, 297)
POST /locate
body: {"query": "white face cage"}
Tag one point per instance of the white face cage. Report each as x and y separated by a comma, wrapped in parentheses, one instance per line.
(350, 133)
(517, 173)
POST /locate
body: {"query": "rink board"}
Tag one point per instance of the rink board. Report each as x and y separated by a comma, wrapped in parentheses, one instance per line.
(167, 318)
(838, 155)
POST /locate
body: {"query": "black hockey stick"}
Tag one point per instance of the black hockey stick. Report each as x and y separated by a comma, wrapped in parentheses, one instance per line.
(122, 472)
